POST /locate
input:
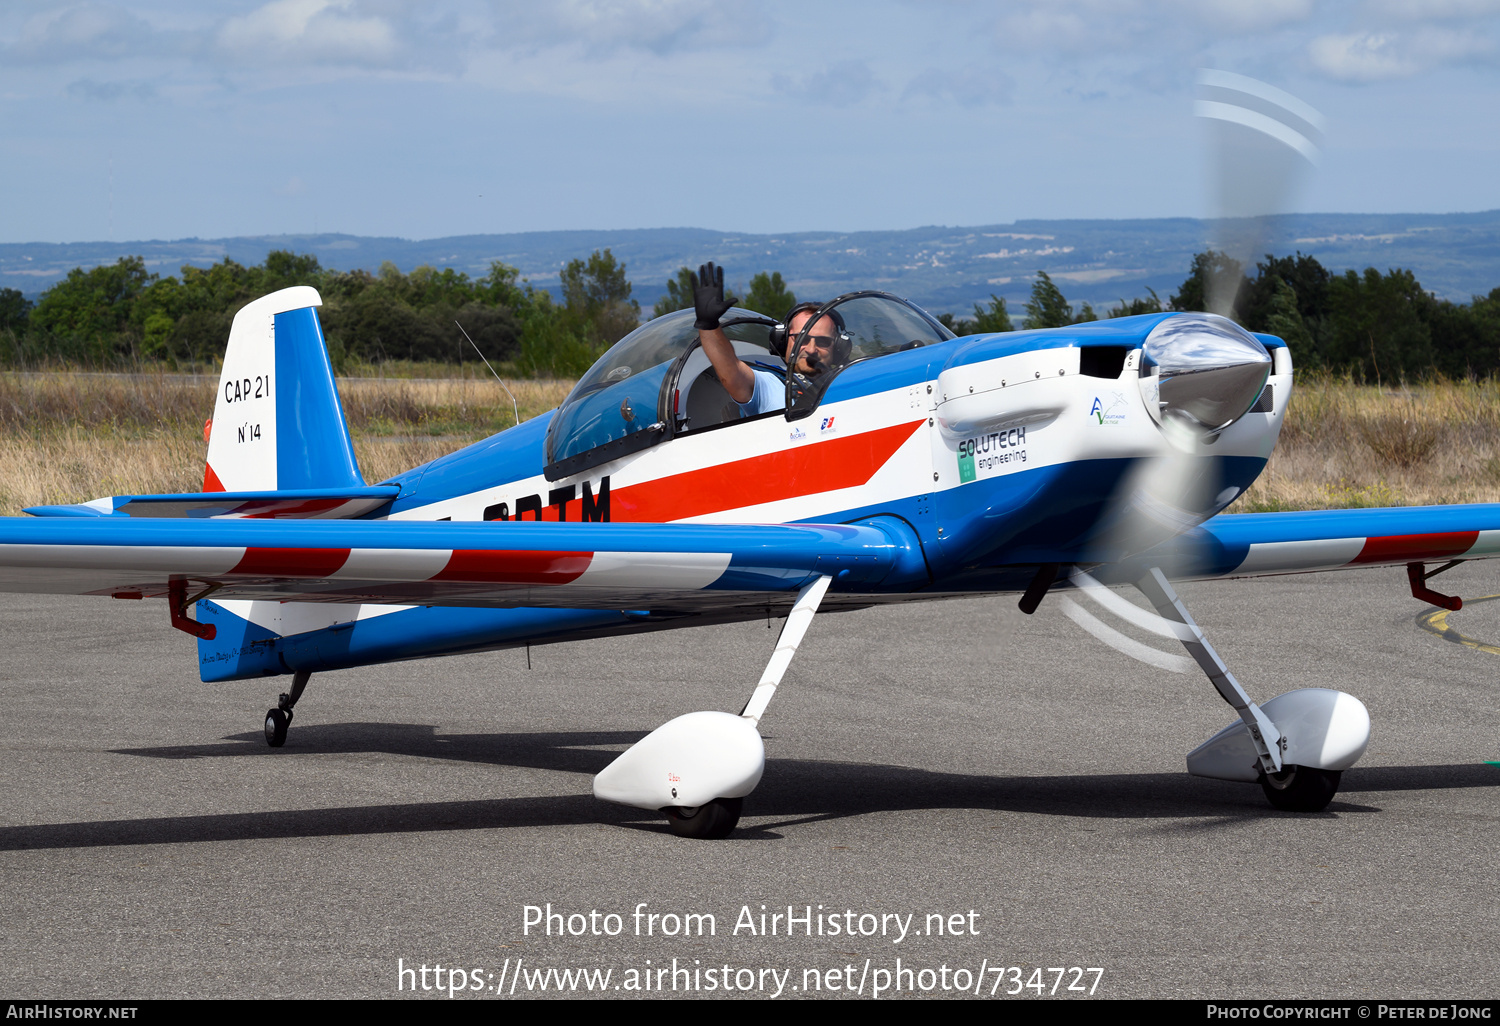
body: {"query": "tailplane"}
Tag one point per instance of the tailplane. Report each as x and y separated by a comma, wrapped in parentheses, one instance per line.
(278, 424)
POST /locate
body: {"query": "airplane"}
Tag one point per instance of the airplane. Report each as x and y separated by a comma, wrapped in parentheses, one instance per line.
(914, 466)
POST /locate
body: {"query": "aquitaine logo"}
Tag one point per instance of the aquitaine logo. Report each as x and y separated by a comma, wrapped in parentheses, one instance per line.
(1111, 413)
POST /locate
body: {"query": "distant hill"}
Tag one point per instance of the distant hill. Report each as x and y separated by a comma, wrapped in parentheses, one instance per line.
(943, 269)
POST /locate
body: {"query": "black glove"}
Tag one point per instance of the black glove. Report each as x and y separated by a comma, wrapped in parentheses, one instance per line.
(708, 296)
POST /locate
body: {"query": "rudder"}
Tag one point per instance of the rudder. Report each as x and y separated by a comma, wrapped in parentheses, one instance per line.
(278, 423)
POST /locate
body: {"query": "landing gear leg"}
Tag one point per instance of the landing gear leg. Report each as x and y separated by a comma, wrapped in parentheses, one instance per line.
(280, 718)
(1299, 771)
(716, 819)
(1267, 738)
(697, 768)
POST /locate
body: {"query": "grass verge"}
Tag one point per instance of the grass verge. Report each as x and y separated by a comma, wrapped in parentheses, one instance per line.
(71, 436)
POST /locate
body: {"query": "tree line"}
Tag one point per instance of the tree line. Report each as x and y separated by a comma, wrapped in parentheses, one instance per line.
(123, 315)
(1376, 327)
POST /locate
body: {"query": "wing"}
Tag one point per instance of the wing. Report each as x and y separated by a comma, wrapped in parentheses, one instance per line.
(503, 564)
(1254, 544)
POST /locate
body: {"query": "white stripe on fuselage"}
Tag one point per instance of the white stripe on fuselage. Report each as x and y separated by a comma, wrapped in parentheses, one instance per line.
(1120, 428)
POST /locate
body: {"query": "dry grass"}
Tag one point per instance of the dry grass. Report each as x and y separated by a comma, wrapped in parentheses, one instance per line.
(1348, 445)
(67, 437)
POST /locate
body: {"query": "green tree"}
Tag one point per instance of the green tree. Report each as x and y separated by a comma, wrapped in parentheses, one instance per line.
(993, 318)
(769, 295)
(1047, 307)
(88, 315)
(1378, 325)
(283, 269)
(554, 341)
(1465, 337)
(15, 310)
(1138, 306)
(597, 292)
(679, 294)
(1285, 321)
(1213, 273)
(499, 287)
(1308, 280)
(428, 287)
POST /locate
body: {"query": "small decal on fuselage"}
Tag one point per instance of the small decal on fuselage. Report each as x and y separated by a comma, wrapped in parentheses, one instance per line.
(1112, 412)
(992, 453)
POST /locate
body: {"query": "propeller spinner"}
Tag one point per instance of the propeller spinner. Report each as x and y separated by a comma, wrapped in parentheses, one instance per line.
(1200, 373)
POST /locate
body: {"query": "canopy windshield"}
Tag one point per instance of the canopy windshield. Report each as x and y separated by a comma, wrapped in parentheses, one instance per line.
(621, 405)
(855, 327)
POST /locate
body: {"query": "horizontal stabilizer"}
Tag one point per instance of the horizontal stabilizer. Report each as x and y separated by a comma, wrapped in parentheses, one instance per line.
(294, 504)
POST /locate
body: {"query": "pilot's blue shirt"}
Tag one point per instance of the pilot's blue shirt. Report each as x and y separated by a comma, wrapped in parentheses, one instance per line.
(769, 394)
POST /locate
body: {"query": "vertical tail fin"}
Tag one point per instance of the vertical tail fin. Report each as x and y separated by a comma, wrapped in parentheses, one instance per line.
(277, 422)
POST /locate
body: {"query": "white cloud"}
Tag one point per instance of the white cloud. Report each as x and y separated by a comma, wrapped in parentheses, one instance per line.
(321, 30)
(660, 26)
(1081, 26)
(1432, 10)
(1377, 56)
(1050, 27)
(1360, 57)
(1249, 15)
(88, 31)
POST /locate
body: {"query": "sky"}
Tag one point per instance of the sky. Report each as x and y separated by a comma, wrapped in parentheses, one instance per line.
(167, 119)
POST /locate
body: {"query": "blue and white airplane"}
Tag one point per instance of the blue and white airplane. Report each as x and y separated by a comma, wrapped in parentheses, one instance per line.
(915, 466)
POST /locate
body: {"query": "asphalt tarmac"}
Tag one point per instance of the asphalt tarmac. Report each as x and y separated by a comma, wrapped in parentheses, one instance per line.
(949, 765)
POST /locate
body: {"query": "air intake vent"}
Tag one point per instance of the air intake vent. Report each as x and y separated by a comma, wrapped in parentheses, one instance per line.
(1102, 361)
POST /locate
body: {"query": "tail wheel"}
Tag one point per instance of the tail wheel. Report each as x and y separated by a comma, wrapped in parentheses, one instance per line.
(1301, 788)
(710, 821)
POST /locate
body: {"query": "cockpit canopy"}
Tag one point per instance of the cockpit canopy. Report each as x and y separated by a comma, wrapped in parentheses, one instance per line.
(623, 404)
(656, 382)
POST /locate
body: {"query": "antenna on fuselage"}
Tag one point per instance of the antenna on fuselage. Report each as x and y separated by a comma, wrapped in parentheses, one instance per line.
(514, 405)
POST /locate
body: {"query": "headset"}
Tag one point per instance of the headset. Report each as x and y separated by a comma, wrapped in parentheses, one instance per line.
(779, 337)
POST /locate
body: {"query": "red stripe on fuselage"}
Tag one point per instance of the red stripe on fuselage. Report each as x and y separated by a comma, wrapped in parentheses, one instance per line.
(266, 562)
(1406, 548)
(846, 462)
(503, 566)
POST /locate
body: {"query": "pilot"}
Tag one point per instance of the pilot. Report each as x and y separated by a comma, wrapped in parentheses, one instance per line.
(754, 389)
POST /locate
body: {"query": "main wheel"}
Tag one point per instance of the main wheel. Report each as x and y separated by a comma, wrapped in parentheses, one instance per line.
(711, 821)
(1301, 788)
(276, 724)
